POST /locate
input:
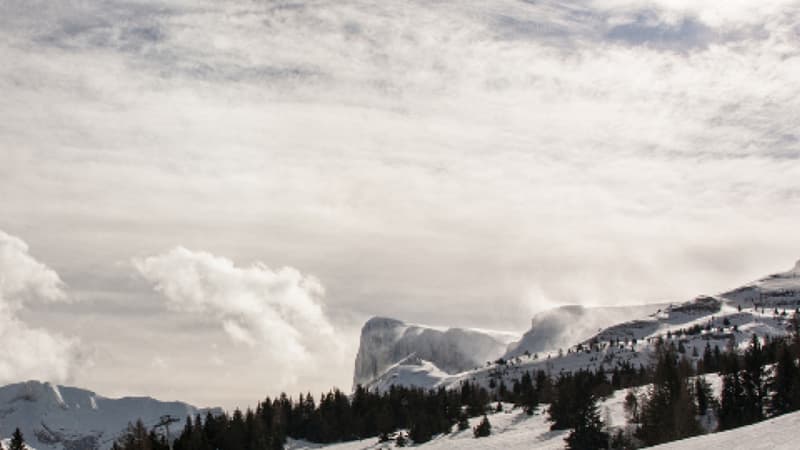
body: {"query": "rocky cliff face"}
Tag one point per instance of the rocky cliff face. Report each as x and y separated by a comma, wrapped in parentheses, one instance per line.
(385, 342)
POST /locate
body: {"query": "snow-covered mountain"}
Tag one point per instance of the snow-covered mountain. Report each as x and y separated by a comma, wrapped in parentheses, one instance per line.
(387, 342)
(53, 417)
(566, 325)
(763, 307)
(780, 290)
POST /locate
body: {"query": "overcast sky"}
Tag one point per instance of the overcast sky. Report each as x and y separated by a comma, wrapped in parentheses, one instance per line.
(203, 200)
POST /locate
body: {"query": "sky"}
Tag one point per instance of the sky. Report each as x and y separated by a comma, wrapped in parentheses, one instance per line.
(204, 200)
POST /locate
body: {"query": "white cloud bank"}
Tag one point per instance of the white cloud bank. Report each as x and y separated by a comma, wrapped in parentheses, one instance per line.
(26, 352)
(277, 311)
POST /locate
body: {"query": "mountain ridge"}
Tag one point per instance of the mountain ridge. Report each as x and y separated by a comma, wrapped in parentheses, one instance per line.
(729, 318)
(56, 417)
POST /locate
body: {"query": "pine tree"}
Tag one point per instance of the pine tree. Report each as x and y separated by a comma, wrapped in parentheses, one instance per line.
(753, 382)
(785, 384)
(483, 429)
(704, 395)
(588, 432)
(528, 396)
(17, 441)
(732, 398)
(420, 431)
(668, 410)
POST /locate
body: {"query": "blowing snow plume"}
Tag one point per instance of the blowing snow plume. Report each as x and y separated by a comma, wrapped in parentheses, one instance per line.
(279, 311)
(30, 352)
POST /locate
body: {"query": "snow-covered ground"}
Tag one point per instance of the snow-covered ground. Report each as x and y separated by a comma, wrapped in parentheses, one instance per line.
(779, 433)
(515, 430)
(511, 429)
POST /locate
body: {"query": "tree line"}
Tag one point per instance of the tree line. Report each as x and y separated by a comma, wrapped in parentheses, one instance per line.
(336, 417)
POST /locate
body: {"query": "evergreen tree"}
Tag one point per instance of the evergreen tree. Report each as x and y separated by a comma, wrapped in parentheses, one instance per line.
(753, 383)
(483, 429)
(731, 398)
(785, 384)
(156, 441)
(420, 431)
(588, 433)
(704, 395)
(17, 441)
(573, 393)
(668, 410)
(527, 396)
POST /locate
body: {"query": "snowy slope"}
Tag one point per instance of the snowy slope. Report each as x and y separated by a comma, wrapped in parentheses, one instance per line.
(566, 325)
(779, 433)
(386, 342)
(513, 429)
(706, 320)
(55, 417)
(780, 290)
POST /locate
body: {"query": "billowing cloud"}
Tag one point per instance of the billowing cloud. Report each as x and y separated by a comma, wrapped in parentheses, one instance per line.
(278, 311)
(22, 277)
(455, 162)
(28, 352)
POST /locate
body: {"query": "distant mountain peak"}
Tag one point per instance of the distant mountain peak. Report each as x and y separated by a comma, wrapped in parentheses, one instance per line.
(56, 417)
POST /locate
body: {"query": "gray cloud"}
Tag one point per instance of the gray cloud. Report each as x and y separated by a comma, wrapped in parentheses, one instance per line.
(427, 160)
